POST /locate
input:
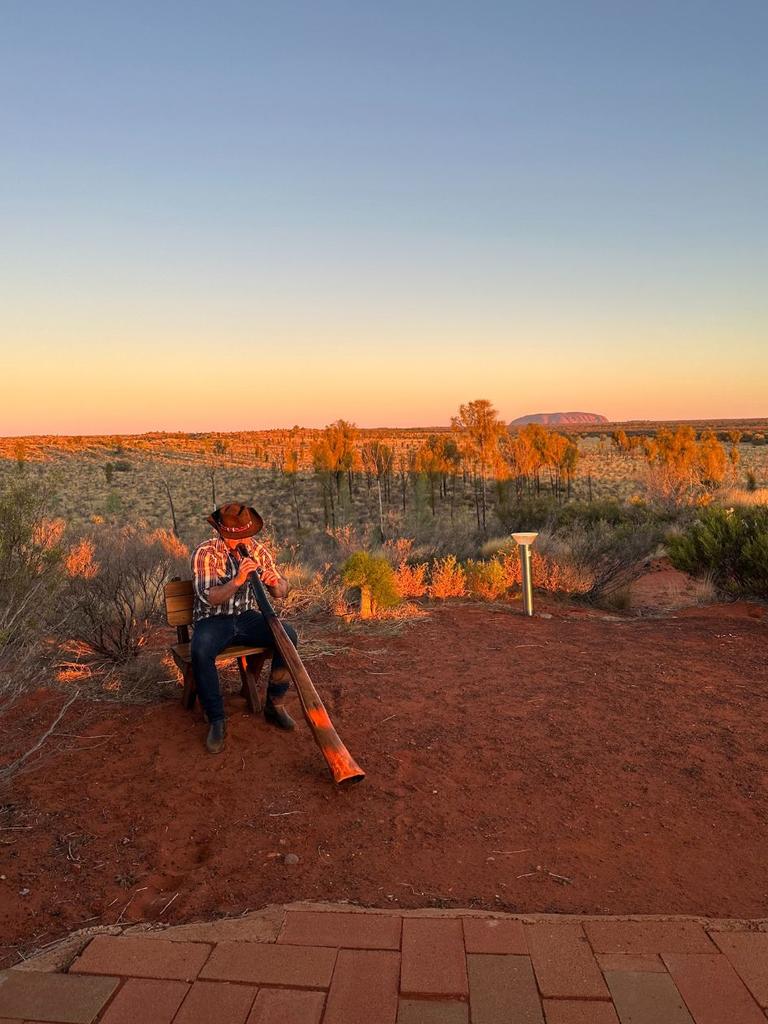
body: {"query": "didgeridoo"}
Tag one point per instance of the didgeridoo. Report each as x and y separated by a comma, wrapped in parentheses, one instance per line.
(343, 767)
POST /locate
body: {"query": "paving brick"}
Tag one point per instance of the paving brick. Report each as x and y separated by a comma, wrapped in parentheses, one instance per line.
(563, 962)
(266, 964)
(630, 962)
(433, 957)
(642, 997)
(144, 1000)
(53, 997)
(364, 988)
(351, 931)
(134, 957)
(503, 989)
(494, 935)
(748, 952)
(430, 1011)
(287, 1006)
(218, 1001)
(713, 991)
(579, 1011)
(647, 937)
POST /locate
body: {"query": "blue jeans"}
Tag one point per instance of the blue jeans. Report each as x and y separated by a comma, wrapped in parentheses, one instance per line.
(209, 638)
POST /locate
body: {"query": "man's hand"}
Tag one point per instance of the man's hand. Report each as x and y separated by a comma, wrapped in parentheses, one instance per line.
(280, 587)
(244, 570)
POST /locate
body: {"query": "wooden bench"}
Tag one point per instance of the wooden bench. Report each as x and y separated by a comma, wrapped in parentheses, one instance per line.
(179, 603)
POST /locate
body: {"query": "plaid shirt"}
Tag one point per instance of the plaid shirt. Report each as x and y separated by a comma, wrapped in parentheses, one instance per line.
(214, 565)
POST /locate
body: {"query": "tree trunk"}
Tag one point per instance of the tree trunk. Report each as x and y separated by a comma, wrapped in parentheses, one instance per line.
(366, 604)
(381, 510)
(173, 510)
(295, 501)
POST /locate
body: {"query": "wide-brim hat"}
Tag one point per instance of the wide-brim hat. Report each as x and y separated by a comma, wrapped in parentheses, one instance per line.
(235, 521)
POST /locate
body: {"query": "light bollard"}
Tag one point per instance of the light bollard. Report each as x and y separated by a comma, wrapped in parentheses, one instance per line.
(524, 541)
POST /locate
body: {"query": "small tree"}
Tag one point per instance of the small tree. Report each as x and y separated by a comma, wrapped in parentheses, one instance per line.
(480, 433)
(375, 578)
(377, 461)
(291, 470)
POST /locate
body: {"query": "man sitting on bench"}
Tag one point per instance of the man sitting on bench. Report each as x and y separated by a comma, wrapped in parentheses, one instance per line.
(226, 613)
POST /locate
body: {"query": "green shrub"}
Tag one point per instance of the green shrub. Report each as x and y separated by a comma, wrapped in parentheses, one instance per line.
(375, 578)
(487, 581)
(525, 513)
(30, 574)
(729, 544)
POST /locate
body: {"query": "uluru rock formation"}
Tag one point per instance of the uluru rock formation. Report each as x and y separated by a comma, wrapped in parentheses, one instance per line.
(559, 419)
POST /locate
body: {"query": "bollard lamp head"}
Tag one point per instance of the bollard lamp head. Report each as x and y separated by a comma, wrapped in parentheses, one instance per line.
(524, 538)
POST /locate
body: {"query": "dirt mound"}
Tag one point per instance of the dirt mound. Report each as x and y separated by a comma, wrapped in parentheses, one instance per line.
(662, 588)
(577, 763)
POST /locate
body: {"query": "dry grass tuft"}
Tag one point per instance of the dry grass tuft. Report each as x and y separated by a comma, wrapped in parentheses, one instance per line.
(738, 496)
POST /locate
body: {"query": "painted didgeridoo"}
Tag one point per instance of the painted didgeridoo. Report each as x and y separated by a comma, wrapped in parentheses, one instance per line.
(343, 767)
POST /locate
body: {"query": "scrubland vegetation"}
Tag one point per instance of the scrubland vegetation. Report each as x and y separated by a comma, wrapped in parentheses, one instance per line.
(363, 523)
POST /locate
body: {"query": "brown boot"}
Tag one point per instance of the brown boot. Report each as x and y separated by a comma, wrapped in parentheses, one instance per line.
(276, 714)
(215, 740)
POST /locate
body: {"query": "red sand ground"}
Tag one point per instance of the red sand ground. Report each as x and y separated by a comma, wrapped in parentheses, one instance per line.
(577, 763)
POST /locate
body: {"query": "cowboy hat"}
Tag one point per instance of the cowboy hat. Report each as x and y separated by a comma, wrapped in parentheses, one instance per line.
(235, 521)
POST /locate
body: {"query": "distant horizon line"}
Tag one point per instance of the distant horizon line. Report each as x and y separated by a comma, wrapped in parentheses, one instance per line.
(439, 427)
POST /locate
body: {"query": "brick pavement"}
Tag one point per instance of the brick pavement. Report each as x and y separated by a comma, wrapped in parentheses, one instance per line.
(306, 964)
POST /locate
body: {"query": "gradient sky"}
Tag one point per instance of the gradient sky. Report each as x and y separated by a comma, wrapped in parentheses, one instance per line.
(230, 215)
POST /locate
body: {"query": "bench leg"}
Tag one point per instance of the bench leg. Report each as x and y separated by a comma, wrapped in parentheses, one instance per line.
(249, 676)
(189, 694)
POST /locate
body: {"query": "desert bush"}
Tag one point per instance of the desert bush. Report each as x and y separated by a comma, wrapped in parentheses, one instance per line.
(555, 572)
(31, 555)
(410, 575)
(525, 513)
(487, 581)
(612, 556)
(345, 539)
(731, 545)
(312, 591)
(114, 591)
(411, 580)
(375, 578)
(398, 550)
(447, 578)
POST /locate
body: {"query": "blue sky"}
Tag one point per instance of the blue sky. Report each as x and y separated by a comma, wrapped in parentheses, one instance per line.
(378, 210)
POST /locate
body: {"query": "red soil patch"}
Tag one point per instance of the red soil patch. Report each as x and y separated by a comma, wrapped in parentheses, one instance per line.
(662, 588)
(504, 756)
